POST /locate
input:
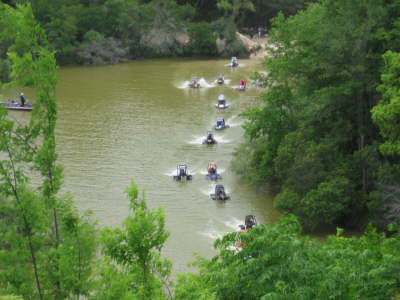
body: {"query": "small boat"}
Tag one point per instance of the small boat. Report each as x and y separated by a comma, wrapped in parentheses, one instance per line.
(220, 80)
(234, 63)
(221, 102)
(182, 173)
(209, 140)
(250, 221)
(212, 171)
(194, 84)
(219, 193)
(242, 85)
(12, 105)
(220, 124)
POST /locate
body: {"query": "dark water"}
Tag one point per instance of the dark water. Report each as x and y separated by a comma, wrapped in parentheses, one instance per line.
(137, 121)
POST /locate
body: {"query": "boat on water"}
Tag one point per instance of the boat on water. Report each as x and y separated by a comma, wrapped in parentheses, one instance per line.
(221, 102)
(194, 83)
(12, 105)
(242, 85)
(182, 173)
(234, 62)
(250, 222)
(220, 193)
(220, 124)
(209, 140)
(221, 79)
(212, 171)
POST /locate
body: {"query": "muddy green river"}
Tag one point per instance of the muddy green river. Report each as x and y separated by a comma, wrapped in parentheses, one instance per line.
(137, 121)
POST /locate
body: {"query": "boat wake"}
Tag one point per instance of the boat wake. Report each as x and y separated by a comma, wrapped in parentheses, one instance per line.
(202, 81)
(241, 65)
(198, 140)
(226, 82)
(172, 172)
(220, 171)
(235, 121)
(233, 223)
(209, 190)
(212, 234)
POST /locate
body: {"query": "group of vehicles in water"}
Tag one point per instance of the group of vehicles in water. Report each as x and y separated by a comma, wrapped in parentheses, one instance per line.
(195, 81)
(182, 172)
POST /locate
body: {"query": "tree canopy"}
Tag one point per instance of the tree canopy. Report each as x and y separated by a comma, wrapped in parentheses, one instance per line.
(315, 140)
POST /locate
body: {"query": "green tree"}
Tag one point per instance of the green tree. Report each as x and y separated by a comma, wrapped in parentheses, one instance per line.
(201, 40)
(278, 262)
(133, 266)
(45, 239)
(314, 139)
(386, 113)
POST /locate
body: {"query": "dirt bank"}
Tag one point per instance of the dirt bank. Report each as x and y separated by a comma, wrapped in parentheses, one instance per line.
(255, 46)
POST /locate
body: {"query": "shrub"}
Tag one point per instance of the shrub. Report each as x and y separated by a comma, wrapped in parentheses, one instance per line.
(201, 40)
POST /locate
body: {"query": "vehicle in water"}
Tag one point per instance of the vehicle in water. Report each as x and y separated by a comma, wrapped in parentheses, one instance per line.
(219, 193)
(182, 173)
(220, 124)
(234, 62)
(212, 171)
(14, 105)
(250, 221)
(242, 85)
(221, 102)
(209, 140)
(221, 79)
(194, 83)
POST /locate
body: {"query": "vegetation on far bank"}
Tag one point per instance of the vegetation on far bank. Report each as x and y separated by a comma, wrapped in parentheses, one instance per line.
(112, 31)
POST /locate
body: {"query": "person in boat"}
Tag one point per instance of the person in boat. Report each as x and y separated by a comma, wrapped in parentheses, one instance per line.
(22, 98)
(234, 61)
(250, 221)
(221, 99)
(221, 79)
(209, 138)
(221, 194)
(212, 168)
(242, 84)
(220, 124)
(195, 82)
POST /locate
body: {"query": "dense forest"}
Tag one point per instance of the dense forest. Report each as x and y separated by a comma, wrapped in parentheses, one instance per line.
(111, 31)
(326, 140)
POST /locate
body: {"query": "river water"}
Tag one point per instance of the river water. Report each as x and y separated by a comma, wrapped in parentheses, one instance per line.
(137, 121)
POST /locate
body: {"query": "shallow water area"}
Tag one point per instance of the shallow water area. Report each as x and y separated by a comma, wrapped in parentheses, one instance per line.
(138, 121)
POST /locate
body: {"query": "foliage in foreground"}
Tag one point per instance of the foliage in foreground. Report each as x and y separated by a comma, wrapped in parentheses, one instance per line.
(132, 267)
(46, 247)
(278, 262)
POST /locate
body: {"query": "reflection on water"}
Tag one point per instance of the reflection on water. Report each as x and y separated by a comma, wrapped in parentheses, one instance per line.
(132, 121)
